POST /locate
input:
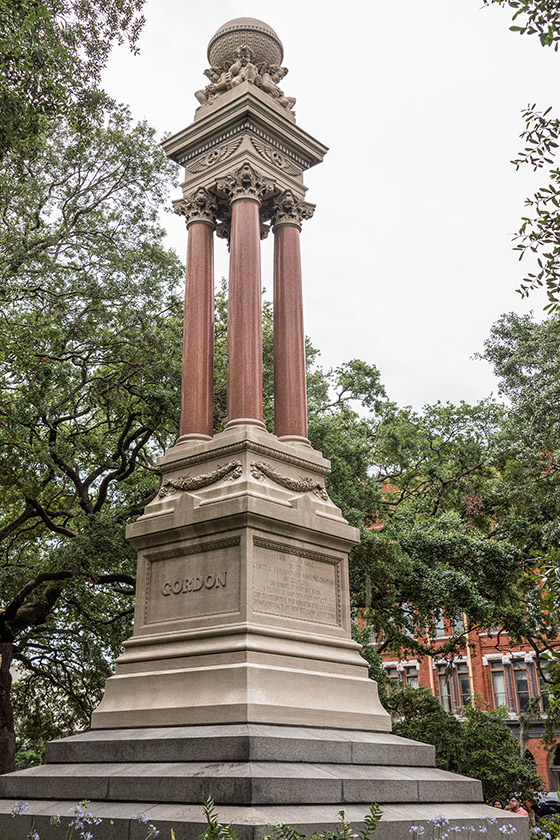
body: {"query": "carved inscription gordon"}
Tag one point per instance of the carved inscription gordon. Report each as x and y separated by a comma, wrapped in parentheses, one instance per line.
(194, 584)
(192, 581)
(295, 583)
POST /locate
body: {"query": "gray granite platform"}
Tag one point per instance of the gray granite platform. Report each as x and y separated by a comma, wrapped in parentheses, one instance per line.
(256, 774)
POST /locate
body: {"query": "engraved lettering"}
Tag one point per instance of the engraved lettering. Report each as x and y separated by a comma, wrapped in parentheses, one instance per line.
(214, 580)
(297, 587)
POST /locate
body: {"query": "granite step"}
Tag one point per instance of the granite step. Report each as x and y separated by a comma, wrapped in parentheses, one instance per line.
(251, 822)
(240, 783)
(240, 742)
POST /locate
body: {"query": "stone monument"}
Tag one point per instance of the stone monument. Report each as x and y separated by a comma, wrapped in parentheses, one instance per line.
(241, 679)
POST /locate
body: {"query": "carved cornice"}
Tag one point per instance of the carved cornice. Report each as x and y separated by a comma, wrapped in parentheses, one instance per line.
(288, 548)
(244, 446)
(288, 209)
(298, 485)
(186, 482)
(187, 550)
(198, 206)
(246, 182)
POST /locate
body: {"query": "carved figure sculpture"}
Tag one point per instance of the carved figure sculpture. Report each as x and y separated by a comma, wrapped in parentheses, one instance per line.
(265, 76)
(243, 69)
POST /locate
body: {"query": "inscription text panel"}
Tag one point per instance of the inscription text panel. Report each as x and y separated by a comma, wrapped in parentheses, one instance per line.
(295, 586)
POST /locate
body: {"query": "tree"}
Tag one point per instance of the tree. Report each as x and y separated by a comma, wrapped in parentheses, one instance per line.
(88, 386)
(52, 53)
(536, 17)
(538, 233)
(480, 746)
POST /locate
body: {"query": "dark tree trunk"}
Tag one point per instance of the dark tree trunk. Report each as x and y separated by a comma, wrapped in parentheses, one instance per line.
(7, 735)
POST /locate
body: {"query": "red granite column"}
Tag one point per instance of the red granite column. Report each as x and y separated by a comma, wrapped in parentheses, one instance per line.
(290, 397)
(197, 384)
(244, 373)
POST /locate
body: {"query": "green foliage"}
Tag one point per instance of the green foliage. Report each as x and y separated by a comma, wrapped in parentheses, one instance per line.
(88, 396)
(535, 17)
(344, 831)
(52, 53)
(480, 746)
(548, 828)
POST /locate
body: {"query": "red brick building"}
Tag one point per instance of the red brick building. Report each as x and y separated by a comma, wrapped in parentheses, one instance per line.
(491, 668)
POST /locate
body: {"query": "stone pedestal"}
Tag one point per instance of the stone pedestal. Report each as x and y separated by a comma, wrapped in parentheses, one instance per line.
(242, 596)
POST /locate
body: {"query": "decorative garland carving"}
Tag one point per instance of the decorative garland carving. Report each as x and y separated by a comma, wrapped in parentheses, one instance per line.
(287, 208)
(299, 485)
(214, 156)
(246, 182)
(229, 471)
(270, 154)
(199, 206)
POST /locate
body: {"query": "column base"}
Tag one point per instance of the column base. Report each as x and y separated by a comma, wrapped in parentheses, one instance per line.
(245, 421)
(192, 436)
(295, 440)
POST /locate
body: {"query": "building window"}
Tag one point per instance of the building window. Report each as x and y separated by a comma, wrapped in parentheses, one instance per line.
(405, 674)
(463, 683)
(444, 684)
(458, 625)
(498, 684)
(440, 625)
(521, 682)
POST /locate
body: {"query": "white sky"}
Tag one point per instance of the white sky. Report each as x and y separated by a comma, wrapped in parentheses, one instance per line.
(408, 259)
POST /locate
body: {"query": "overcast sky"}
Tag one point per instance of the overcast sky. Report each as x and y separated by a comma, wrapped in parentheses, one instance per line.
(408, 259)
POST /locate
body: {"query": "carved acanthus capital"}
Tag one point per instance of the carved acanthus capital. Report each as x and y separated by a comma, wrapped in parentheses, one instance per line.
(199, 206)
(288, 209)
(246, 182)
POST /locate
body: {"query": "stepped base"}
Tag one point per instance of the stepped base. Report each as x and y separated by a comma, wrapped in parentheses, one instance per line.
(257, 774)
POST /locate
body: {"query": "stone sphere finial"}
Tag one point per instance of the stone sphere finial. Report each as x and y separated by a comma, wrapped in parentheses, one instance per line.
(245, 32)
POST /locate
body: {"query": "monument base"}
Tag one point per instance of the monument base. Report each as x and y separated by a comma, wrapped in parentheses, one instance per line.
(257, 775)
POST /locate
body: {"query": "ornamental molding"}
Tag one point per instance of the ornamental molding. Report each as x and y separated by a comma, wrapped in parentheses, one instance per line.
(187, 550)
(245, 182)
(198, 206)
(239, 448)
(243, 127)
(286, 548)
(270, 154)
(214, 156)
(187, 482)
(288, 209)
(260, 470)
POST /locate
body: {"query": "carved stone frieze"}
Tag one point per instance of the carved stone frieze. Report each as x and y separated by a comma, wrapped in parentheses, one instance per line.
(287, 208)
(199, 206)
(214, 156)
(273, 156)
(187, 482)
(259, 470)
(245, 182)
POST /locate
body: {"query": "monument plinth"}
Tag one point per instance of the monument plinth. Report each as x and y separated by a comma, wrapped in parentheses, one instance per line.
(241, 679)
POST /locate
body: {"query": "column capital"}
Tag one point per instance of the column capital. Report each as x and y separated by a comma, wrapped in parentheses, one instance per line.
(246, 182)
(198, 206)
(288, 209)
